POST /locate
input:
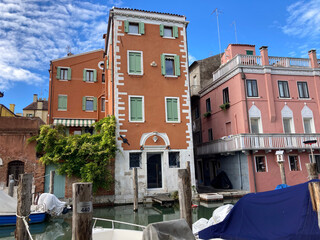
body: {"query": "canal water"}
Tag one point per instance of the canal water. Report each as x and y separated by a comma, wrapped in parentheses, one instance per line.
(61, 228)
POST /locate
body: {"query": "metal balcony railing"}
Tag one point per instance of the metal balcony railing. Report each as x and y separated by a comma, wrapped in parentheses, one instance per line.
(245, 142)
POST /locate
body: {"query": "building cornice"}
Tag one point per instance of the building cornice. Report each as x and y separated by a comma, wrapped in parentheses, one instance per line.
(77, 55)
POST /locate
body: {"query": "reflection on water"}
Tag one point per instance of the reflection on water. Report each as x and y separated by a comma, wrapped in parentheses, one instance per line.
(61, 228)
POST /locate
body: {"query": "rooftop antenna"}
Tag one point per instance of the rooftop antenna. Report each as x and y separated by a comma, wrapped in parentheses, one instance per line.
(235, 30)
(217, 14)
(68, 48)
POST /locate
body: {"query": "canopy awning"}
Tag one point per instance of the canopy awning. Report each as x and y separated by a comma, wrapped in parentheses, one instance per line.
(74, 122)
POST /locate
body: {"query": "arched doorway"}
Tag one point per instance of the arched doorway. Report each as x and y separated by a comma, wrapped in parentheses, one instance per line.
(16, 168)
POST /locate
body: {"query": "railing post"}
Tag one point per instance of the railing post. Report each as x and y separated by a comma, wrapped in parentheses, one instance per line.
(11, 186)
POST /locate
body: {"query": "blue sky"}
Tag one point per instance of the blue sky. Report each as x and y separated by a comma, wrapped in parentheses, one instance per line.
(33, 32)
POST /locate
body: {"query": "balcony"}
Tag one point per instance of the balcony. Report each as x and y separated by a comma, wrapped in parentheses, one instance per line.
(256, 61)
(255, 142)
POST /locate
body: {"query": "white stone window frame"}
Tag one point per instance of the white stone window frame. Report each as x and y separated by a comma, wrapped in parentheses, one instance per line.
(128, 62)
(301, 98)
(178, 109)
(62, 110)
(265, 160)
(286, 113)
(129, 103)
(90, 69)
(255, 113)
(170, 56)
(67, 68)
(299, 162)
(135, 23)
(306, 113)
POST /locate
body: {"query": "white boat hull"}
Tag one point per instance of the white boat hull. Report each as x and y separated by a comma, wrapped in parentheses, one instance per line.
(115, 234)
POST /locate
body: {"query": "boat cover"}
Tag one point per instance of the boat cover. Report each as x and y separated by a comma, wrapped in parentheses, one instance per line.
(7, 204)
(51, 204)
(279, 214)
(168, 230)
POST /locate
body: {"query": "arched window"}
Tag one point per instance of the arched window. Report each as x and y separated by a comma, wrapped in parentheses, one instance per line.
(15, 168)
(255, 120)
(307, 119)
(287, 120)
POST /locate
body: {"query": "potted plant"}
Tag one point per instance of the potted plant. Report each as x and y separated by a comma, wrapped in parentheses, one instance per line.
(207, 114)
(225, 106)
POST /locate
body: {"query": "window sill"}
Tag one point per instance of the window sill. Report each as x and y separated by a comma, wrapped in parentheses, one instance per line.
(63, 110)
(173, 122)
(285, 98)
(134, 74)
(136, 121)
(168, 37)
(89, 82)
(303, 99)
(134, 34)
(89, 111)
(63, 80)
(170, 76)
(253, 97)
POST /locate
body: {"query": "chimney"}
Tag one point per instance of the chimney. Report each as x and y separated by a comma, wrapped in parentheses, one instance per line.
(39, 105)
(35, 97)
(313, 58)
(12, 107)
(264, 55)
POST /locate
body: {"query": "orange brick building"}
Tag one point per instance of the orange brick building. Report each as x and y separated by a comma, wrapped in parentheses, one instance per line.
(146, 88)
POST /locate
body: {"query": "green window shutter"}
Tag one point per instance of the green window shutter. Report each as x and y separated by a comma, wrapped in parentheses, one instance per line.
(161, 30)
(84, 99)
(172, 109)
(177, 65)
(126, 26)
(60, 102)
(58, 72)
(131, 62)
(163, 64)
(175, 32)
(65, 102)
(136, 109)
(94, 104)
(138, 62)
(84, 75)
(141, 27)
(95, 75)
(69, 73)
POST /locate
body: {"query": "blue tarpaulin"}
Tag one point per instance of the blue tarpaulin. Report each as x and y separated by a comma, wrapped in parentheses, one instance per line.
(281, 214)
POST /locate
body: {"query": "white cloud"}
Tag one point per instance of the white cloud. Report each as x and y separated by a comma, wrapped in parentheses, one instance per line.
(191, 59)
(304, 19)
(34, 32)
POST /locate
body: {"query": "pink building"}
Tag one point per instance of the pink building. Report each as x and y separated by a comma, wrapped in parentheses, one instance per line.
(253, 107)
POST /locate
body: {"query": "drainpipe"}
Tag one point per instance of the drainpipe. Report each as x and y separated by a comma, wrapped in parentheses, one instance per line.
(51, 85)
(243, 77)
(112, 65)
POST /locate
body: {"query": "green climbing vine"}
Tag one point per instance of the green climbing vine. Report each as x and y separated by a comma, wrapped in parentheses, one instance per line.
(85, 156)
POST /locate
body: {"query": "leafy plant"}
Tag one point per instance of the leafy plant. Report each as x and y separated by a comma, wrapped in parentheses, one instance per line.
(225, 106)
(86, 156)
(207, 114)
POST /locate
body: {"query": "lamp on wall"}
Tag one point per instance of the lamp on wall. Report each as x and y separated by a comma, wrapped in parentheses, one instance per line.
(280, 156)
(310, 142)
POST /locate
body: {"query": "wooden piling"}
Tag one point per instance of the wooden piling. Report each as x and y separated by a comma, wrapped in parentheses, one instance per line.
(312, 171)
(51, 186)
(11, 186)
(314, 189)
(135, 189)
(185, 196)
(82, 211)
(24, 196)
(282, 173)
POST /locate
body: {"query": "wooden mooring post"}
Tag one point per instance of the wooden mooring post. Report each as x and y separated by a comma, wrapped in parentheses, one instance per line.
(23, 206)
(82, 211)
(135, 190)
(11, 186)
(312, 170)
(185, 194)
(314, 189)
(282, 173)
(51, 187)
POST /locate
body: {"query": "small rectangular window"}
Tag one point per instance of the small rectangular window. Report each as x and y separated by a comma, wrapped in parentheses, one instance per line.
(172, 110)
(62, 102)
(307, 125)
(167, 31)
(208, 105)
(249, 52)
(261, 165)
(210, 135)
(103, 78)
(133, 28)
(174, 159)
(103, 102)
(89, 76)
(170, 65)
(89, 104)
(135, 160)
(225, 93)
(254, 123)
(294, 163)
(64, 73)
(135, 63)
(252, 88)
(283, 89)
(303, 90)
(136, 109)
(287, 125)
